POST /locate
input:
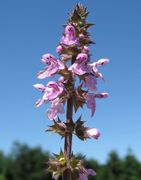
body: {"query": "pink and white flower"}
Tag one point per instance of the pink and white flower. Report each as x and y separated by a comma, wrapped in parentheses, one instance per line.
(79, 67)
(51, 91)
(92, 68)
(59, 49)
(92, 133)
(39, 87)
(55, 109)
(90, 82)
(85, 49)
(69, 37)
(53, 66)
(84, 175)
(91, 103)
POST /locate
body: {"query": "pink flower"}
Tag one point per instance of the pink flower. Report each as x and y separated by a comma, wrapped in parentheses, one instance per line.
(56, 108)
(92, 68)
(66, 40)
(51, 91)
(92, 133)
(102, 62)
(70, 30)
(91, 172)
(84, 175)
(69, 37)
(90, 82)
(91, 104)
(79, 66)
(53, 66)
(39, 87)
(85, 49)
(59, 49)
(82, 57)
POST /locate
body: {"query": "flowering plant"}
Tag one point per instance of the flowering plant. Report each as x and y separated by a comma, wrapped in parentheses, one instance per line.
(74, 63)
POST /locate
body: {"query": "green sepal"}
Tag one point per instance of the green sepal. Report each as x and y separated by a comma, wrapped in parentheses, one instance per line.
(79, 129)
(79, 12)
(78, 101)
(57, 165)
(58, 127)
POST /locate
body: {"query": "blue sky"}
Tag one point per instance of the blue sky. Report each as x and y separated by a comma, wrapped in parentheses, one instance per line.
(29, 29)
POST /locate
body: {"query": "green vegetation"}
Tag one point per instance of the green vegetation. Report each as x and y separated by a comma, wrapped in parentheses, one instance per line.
(25, 163)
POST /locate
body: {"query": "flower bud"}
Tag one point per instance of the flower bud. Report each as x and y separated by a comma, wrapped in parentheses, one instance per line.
(92, 133)
(59, 49)
(81, 36)
(85, 49)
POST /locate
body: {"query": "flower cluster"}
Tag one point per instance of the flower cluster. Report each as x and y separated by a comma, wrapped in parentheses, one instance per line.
(73, 47)
(88, 74)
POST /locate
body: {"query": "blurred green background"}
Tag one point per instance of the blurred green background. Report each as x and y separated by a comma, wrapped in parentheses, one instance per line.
(26, 163)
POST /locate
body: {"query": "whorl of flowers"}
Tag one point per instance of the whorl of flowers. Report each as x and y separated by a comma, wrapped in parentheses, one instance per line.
(73, 47)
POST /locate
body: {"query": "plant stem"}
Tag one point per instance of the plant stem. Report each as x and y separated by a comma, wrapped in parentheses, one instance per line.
(68, 139)
(68, 135)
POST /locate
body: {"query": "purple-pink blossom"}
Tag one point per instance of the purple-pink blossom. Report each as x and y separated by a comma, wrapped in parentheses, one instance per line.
(92, 133)
(79, 67)
(82, 57)
(102, 62)
(85, 49)
(53, 65)
(90, 82)
(84, 175)
(90, 99)
(69, 37)
(92, 68)
(70, 30)
(91, 104)
(40, 87)
(55, 109)
(51, 91)
(59, 49)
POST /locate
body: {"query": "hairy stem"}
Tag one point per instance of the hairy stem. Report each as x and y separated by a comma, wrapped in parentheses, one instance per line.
(68, 136)
(68, 140)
